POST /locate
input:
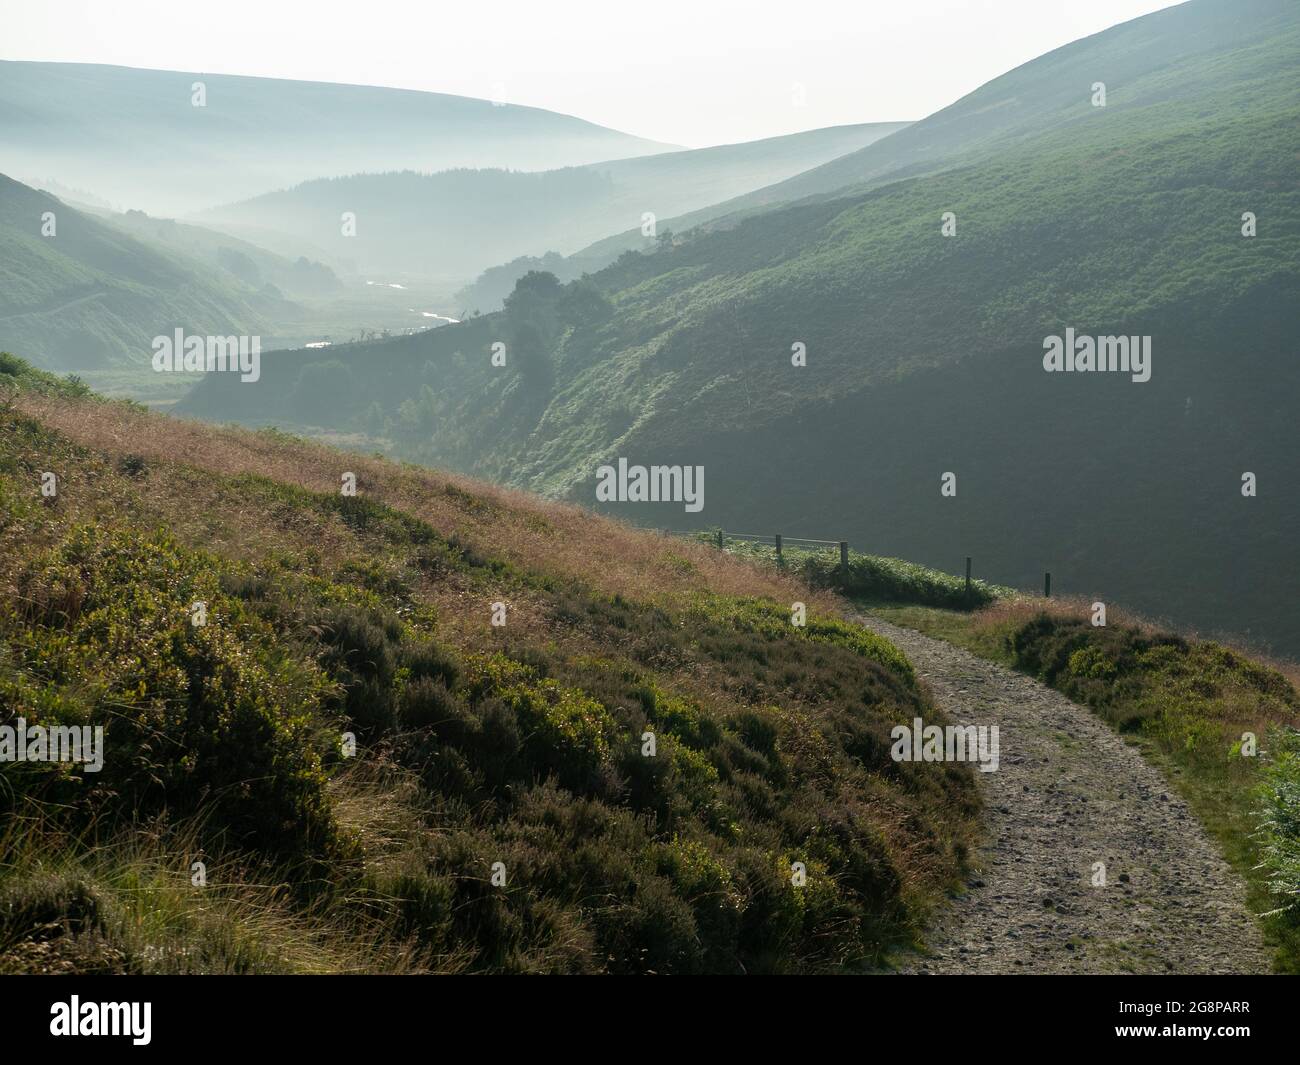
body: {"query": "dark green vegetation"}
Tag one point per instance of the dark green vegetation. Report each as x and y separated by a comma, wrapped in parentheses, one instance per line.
(85, 123)
(460, 222)
(1280, 833)
(924, 352)
(523, 745)
(1190, 704)
(897, 580)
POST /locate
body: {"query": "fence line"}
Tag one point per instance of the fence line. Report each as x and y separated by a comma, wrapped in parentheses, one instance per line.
(763, 537)
(777, 539)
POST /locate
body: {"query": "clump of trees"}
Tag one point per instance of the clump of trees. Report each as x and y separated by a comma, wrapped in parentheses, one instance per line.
(538, 313)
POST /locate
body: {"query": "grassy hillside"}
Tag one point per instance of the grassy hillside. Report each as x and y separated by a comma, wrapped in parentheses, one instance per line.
(84, 123)
(91, 295)
(924, 352)
(1140, 62)
(459, 222)
(522, 744)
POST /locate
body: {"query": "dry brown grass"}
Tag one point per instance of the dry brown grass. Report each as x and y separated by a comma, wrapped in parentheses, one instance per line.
(532, 533)
(179, 494)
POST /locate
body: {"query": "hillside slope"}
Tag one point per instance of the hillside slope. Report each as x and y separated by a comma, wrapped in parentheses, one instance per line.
(924, 354)
(84, 124)
(502, 810)
(1140, 62)
(459, 222)
(91, 295)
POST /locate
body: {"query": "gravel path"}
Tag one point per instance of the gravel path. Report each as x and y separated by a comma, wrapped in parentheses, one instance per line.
(1068, 793)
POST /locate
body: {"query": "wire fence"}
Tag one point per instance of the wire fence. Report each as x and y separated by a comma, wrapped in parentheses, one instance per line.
(779, 541)
(778, 537)
(801, 546)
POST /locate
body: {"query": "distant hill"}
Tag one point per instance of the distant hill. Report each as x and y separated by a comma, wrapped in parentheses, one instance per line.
(924, 351)
(1053, 93)
(459, 222)
(1040, 96)
(247, 262)
(135, 138)
(93, 295)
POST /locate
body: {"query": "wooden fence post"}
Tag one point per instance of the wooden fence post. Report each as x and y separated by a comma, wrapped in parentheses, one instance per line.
(844, 553)
(778, 549)
(1047, 586)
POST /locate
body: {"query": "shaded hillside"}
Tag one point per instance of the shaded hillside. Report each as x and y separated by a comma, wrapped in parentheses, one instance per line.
(85, 123)
(502, 811)
(459, 222)
(925, 351)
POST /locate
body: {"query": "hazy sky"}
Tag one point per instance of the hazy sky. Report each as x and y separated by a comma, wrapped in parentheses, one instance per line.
(691, 72)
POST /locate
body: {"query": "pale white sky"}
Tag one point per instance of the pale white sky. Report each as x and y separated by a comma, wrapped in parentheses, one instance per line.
(690, 72)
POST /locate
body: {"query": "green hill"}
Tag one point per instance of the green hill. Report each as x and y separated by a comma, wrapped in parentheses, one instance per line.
(629, 775)
(924, 351)
(91, 295)
(85, 123)
(1186, 51)
(1140, 62)
(459, 222)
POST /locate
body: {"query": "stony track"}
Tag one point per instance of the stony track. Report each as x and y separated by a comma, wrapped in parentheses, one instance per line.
(1070, 793)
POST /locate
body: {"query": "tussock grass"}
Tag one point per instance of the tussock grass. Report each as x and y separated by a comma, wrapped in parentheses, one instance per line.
(127, 904)
(524, 530)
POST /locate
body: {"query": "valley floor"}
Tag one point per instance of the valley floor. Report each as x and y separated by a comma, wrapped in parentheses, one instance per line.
(1069, 792)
